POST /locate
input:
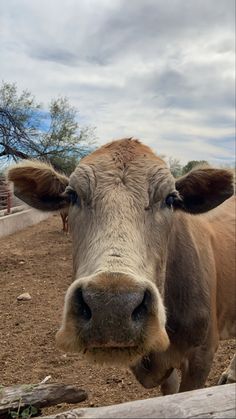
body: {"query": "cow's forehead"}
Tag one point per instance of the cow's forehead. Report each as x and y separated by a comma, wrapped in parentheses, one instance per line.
(121, 153)
(127, 161)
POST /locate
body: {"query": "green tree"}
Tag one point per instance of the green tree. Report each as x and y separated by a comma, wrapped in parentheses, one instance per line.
(193, 163)
(28, 131)
(65, 142)
(175, 167)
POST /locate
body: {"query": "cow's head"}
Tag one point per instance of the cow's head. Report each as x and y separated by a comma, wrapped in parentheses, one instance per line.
(121, 202)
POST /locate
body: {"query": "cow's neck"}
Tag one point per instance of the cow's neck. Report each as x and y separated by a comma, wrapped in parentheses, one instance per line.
(187, 296)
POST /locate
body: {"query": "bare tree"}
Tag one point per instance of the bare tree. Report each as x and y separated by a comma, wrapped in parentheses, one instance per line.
(27, 131)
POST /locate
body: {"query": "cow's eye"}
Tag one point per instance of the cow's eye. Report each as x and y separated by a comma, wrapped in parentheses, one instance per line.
(173, 200)
(170, 200)
(72, 196)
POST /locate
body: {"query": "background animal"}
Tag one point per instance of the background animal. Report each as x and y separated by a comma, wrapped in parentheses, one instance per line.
(64, 217)
(153, 283)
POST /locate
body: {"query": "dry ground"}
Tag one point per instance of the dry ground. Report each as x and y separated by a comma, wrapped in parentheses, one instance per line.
(38, 260)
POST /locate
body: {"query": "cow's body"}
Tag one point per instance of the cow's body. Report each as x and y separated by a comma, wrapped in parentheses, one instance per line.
(153, 283)
(200, 294)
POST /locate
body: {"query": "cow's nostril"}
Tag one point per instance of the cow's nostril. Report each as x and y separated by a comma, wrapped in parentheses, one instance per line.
(141, 310)
(146, 363)
(82, 308)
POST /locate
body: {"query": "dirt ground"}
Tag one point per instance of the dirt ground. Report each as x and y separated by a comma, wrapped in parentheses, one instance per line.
(38, 260)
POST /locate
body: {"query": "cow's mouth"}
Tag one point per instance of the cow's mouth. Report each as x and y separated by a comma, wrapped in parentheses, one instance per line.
(112, 345)
(111, 352)
(124, 355)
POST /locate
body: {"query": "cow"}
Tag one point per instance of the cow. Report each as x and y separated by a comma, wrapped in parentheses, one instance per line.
(64, 218)
(153, 260)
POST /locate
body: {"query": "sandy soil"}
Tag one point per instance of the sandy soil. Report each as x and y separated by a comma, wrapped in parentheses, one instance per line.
(38, 260)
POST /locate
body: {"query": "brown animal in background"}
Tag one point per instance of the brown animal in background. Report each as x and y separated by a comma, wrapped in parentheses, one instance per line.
(154, 284)
(64, 217)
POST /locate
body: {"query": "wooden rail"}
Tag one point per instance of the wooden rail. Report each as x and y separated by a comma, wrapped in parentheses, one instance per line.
(16, 399)
(212, 402)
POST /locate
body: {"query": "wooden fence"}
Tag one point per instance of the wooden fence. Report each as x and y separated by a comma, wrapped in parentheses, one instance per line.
(212, 402)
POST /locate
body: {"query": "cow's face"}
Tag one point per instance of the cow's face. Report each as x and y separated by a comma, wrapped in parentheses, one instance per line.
(120, 219)
(121, 200)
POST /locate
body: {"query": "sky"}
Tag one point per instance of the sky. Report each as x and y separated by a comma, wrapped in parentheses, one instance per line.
(162, 71)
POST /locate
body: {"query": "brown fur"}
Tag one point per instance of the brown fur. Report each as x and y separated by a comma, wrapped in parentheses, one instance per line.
(122, 225)
(198, 188)
(200, 295)
(38, 184)
(122, 152)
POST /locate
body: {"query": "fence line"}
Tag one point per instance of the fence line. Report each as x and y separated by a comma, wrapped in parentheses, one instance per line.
(6, 196)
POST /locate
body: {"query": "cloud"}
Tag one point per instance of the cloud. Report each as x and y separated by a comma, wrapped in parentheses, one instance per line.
(161, 71)
(58, 55)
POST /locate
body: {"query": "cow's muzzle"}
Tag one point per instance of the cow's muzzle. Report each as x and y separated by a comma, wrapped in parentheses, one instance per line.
(110, 312)
(111, 319)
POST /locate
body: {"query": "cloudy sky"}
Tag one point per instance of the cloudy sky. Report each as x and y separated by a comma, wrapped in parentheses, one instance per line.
(159, 70)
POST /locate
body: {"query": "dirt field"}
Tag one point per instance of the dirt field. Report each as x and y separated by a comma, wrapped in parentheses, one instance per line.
(38, 260)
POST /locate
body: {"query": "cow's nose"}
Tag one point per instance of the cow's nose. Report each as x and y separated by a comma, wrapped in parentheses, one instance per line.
(111, 318)
(113, 314)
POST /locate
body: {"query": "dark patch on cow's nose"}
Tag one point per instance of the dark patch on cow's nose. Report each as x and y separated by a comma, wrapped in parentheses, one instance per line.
(111, 317)
(141, 311)
(81, 308)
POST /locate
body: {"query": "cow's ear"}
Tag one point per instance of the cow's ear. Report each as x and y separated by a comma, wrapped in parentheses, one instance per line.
(39, 185)
(205, 188)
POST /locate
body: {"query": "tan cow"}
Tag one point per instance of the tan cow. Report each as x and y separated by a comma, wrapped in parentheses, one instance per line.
(153, 269)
